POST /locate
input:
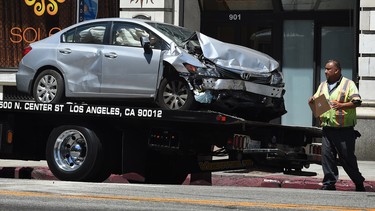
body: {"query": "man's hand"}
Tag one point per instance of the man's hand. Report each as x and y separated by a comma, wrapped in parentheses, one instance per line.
(337, 105)
(311, 99)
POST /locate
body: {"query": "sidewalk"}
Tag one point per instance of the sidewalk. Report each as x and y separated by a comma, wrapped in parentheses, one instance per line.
(280, 180)
(244, 178)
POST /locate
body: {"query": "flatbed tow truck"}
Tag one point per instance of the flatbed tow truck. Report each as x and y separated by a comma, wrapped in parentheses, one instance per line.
(84, 142)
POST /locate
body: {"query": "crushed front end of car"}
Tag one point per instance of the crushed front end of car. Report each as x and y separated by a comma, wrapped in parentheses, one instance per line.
(230, 78)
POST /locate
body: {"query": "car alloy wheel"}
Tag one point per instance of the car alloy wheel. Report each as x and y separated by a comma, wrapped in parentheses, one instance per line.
(174, 94)
(48, 87)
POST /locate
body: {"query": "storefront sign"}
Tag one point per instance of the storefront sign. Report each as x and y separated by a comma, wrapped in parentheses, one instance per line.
(145, 3)
(41, 9)
(29, 34)
(141, 2)
(26, 21)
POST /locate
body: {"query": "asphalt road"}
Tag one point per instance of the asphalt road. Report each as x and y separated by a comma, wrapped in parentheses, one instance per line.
(38, 195)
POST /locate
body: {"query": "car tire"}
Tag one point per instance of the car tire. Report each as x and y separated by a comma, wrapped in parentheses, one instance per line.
(48, 87)
(75, 153)
(175, 94)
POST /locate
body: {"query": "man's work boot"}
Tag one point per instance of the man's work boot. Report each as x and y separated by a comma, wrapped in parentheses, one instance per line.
(328, 187)
(360, 187)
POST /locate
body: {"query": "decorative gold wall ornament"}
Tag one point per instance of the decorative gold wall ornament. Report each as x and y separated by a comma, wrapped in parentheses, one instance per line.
(40, 7)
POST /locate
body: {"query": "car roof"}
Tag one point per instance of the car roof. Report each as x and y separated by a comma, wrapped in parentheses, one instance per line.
(131, 20)
(128, 20)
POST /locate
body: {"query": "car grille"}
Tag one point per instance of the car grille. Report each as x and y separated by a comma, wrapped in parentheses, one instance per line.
(231, 75)
(227, 74)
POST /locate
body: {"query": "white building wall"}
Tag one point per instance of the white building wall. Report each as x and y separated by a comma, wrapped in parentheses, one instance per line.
(366, 70)
(366, 60)
(367, 3)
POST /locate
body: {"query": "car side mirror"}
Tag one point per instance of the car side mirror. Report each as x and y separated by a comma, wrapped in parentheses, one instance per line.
(145, 42)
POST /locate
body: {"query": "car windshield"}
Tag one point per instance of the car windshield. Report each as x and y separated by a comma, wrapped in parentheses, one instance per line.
(176, 33)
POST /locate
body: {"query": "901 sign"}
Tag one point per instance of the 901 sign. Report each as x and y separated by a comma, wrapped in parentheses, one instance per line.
(234, 17)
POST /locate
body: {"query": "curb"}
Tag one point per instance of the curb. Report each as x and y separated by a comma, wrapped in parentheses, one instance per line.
(284, 182)
(240, 180)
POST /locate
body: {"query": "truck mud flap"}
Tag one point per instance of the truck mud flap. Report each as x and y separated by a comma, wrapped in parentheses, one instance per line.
(222, 165)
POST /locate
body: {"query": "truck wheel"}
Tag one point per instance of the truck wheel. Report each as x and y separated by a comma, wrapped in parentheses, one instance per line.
(48, 87)
(175, 94)
(75, 153)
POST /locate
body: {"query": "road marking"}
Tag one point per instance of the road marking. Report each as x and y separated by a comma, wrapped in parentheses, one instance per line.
(187, 201)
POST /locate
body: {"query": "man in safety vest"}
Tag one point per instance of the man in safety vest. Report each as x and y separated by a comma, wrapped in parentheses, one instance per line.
(338, 127)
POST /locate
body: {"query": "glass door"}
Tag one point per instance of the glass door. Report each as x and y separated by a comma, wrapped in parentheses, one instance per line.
(298, 69)
(337, 43)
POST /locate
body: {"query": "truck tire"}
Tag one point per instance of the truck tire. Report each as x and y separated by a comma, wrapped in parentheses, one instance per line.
(174, 94)
(75, 153)
(48, 87)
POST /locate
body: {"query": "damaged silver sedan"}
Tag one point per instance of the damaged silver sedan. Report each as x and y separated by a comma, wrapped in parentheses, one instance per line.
(135, 59)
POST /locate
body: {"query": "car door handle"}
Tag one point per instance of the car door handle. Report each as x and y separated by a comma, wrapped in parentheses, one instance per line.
(65, 51)
(111, 55)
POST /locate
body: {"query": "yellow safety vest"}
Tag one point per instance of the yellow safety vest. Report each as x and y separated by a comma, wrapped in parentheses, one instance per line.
(345, 91)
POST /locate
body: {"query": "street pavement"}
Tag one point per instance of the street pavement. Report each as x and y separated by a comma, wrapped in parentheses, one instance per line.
(307, 179)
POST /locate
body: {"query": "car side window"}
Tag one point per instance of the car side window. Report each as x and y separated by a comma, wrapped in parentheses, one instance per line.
(68, 37)
(127, 34)
(91, 33)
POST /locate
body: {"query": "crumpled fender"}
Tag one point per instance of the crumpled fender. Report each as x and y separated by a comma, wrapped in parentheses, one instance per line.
(176, 56)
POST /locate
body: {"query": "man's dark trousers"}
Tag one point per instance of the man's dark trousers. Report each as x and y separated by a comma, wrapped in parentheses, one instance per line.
(339, 141)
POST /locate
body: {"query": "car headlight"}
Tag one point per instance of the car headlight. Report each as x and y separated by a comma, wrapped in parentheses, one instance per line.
(210, 72)
(191, 68)
(277, 78)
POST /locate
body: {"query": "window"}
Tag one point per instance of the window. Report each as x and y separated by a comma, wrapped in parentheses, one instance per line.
(127, 34)
(178, 34)
(69, 36)
(92, 33)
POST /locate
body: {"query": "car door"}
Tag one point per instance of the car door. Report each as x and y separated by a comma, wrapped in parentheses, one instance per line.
(80, 58)
(128, 70)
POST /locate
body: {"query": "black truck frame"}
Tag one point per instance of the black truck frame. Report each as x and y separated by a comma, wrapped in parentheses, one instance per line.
(83, 142)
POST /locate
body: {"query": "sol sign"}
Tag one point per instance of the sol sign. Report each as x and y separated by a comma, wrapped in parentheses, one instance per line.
(33, 34)
(29, 34)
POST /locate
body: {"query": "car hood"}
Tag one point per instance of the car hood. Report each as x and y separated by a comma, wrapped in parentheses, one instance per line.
(235, 58)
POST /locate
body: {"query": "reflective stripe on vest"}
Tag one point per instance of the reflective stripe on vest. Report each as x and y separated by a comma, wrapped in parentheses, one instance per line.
(340, 117)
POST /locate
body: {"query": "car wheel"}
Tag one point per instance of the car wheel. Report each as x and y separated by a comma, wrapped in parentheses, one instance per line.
(75, 153)
(175, 94)
(48, 87)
